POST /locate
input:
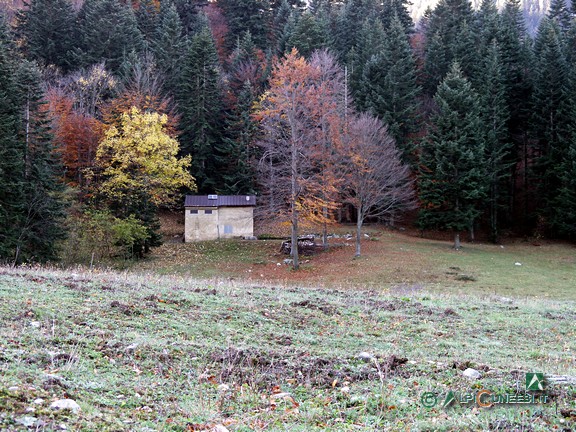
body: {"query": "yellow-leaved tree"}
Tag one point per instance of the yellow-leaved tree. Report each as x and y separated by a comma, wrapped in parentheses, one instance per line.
(138, 170)
(141, 156)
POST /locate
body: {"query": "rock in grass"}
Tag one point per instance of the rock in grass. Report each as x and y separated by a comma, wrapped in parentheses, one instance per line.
(131, 347)
(27, 421)
(65, 404)
(472, 373)
(366, 356)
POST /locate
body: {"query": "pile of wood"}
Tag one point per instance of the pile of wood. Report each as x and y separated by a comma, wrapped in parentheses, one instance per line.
(306, 246)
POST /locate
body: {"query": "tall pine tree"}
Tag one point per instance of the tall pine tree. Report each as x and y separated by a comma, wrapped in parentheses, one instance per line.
(47, 28)
(107, 30)
(390, 88)
(495, 115)
(200, 103)
(42, 223)
(444, 29)
(516, 55)
(453, 167)
(168, 45)
(551, 111)
(12, 203)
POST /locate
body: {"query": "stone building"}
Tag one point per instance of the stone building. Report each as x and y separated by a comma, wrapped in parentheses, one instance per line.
(211, 217)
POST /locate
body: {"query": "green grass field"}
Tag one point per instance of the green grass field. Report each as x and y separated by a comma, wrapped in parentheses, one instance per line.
(147, 352)
(390, 259)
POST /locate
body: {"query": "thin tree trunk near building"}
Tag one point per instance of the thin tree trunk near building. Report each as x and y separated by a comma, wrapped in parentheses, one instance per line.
(359, 221)
(457, 244)
(293, 203)
(325, 228)
(294, 245)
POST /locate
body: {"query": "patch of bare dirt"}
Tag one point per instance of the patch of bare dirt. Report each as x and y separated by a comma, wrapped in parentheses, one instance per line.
(324, 307)
(265, 369)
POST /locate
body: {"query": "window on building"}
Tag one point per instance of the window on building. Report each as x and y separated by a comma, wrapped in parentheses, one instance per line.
(193, 211)
(227, 229)
(207, 211)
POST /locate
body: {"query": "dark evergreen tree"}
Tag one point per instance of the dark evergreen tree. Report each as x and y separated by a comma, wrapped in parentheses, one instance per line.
(435, 64)
(570, 44)
(168, 46)
(279, 25)
(370, 44)
(247, 64)
(486, 24)
(200, 100)
(238, 152)
(391, 91)
(445, 29)
(46, 28)
(252, 15)
(307, 35)
(495, 115)
(560, 13)
(466, 51)
(551, 111)
(562, 207)
(41, 225)
(516, 55)
(294, 4)
(188, 10)
(147, 16)
(452, 179)
(397, 8)
(12, 203)
(348, 24)
(107, 30)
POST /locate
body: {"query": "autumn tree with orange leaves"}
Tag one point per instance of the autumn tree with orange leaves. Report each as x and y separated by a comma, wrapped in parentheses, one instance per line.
(299, 119)
(76, 136)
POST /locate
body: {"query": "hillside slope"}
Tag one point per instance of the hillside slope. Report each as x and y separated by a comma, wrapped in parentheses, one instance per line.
(146, 353)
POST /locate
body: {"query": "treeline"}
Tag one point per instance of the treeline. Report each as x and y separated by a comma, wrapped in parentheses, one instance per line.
(92, 91)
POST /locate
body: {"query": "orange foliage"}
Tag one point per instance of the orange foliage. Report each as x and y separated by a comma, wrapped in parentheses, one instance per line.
(302, 122)
(76, 136)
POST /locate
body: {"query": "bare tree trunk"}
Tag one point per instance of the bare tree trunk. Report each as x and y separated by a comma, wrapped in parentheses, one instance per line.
(471, 232)
(294, 197)
(294, 245)
(457, 244)
(16, 256)
(325, 229)
(358, 230)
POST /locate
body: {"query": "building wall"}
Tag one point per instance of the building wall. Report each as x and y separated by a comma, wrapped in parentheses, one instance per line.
(223, 222)
(201, 226)
(236, 221)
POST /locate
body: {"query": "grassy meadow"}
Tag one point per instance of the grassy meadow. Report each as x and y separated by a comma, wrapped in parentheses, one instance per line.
(166, 346)
(390, 259)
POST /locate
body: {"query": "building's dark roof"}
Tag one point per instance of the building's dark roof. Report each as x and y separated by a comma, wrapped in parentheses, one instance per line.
(220, 201)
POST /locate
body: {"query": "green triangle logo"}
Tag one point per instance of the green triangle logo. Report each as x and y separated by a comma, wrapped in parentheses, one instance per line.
(450, 398)
(534, 381)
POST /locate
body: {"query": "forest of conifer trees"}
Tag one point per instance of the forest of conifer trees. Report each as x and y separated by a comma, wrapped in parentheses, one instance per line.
(96, 95)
